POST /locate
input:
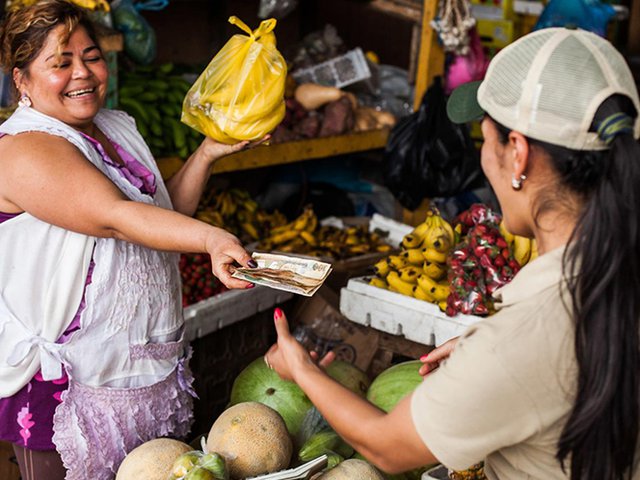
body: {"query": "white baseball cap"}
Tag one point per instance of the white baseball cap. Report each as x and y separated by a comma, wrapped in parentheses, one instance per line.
(548, 86)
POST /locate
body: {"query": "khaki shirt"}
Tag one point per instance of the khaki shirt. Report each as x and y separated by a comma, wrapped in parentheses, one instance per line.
(505, 393)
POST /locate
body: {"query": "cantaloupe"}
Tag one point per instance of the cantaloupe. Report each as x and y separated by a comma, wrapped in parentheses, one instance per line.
(353, 469)
(252, 438)
(152, 460)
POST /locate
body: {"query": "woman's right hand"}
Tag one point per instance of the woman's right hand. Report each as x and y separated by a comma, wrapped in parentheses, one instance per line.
(226, 250)
(432, 360)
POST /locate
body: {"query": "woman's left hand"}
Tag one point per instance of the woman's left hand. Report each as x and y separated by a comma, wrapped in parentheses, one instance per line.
(214, 151)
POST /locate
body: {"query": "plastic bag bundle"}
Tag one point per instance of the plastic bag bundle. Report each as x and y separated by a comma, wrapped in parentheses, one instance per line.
(240, 95)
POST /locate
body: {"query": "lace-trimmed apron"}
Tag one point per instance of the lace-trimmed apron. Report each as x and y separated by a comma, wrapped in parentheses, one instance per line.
(127, 365)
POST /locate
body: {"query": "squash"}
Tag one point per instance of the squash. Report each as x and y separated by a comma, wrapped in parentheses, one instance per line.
(252, 438)
(152, 460)
(313, 96)
(353, 469)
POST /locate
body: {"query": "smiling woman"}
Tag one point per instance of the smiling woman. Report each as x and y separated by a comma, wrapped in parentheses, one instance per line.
(86, 230)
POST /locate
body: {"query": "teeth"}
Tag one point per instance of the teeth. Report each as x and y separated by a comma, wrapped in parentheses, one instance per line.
(77, 93)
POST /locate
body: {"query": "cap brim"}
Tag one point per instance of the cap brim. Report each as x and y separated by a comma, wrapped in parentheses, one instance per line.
(463, 106)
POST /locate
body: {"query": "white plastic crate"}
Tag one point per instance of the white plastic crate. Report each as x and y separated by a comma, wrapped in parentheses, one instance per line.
(397, 314)
(229, 307)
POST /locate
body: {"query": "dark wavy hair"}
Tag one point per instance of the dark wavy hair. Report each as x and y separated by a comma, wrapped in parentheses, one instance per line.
(602, 272)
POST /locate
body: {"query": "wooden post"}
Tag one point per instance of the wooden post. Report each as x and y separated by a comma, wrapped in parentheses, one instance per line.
(633, 44)
(431, 55)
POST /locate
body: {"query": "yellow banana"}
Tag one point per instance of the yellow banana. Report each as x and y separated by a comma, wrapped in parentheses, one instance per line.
(251, 230)
(440, 235)
(382, 268)
(443, 305)
(378, 282)
(409, 274)
(308, 237)
(432, 255)
(434, 270)
(394, 281)
(521, 249)
(438, 290)
(421, 230)
(534, 250)
(383, 248)
(396, 261)
(411, 241)
(420, 294)
(508, 236)
(283, 237)
(300, 223)
(413, 256)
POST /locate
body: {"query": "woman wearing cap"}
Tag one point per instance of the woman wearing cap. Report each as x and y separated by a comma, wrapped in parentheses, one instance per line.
(549, 386)
(90, 303)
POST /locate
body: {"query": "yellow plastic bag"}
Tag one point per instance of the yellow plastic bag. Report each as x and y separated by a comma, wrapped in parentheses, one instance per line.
(240, 95)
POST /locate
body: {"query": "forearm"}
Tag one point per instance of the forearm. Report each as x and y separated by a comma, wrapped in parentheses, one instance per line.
(186, 186)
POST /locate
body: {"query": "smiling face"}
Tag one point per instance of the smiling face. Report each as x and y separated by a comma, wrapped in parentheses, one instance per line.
(70, 84)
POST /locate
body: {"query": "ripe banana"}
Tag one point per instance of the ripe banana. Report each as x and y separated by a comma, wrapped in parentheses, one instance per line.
(521, 249)
(508, 236)
(534, 250)
(411, 241)
(433, 255)
(409, 274)
(394, 281)
(439, 291)
(308, 237)
(439, 235)
(420, 294)
(397, 262)
(434, 270)
(382, 268)
(284, 237)
(413, 256)
(378, 282)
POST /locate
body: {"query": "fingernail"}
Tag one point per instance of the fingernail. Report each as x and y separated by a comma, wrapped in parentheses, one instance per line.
(423, 358)
(252, 263)
(277, 313)
(251, 285)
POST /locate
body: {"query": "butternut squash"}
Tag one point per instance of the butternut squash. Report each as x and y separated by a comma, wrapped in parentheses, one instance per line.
(313, 96)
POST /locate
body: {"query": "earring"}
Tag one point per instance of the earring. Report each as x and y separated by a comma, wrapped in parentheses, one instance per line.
(516, 183)
(24, 101)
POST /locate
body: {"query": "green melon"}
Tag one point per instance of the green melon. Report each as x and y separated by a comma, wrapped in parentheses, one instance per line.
(350, 376)
(395, 383)
(257, 383)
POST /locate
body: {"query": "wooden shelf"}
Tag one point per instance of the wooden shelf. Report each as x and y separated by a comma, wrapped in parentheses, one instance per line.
(289, 152)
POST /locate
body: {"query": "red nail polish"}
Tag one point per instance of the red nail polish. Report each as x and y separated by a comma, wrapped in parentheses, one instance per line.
(251, 285)
(423, 358)
(277, 313)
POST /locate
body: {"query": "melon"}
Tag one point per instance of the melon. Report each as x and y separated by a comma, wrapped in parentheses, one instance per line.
(350, 376)
(353, 469)
(258, 383)
(252, 438)
(395, 383)
(152, 460)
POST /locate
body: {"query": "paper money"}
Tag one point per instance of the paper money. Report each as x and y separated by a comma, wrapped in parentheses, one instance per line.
(292, 274)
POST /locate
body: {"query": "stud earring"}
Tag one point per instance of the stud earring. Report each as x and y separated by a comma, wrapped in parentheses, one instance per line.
(516, 183)
(24, 101)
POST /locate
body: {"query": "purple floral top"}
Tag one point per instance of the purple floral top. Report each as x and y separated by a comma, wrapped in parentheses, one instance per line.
(27, 416)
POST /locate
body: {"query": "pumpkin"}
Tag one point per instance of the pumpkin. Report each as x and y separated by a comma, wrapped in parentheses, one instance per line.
(152, 460)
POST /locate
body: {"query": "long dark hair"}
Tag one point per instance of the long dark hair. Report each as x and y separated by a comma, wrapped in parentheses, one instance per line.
(603, 277)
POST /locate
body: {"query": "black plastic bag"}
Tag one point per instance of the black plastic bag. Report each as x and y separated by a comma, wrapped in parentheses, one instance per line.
(428, 156)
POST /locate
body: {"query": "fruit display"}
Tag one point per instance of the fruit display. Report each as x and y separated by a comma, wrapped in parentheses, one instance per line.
(252, 438)
(235, 211)
(304, 236)
(420, 269)
(153, 95)
(198, 281)
(152, 460)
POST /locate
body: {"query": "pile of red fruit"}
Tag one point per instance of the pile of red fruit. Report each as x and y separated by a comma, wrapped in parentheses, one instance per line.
(480, 264)
(198, 282)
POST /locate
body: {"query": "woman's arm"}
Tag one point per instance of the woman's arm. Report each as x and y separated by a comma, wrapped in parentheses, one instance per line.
(388, 440)
(63, 188)
(186, 186)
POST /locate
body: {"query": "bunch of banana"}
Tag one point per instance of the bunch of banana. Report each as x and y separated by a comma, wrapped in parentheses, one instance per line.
(524, 249)
(235, 211)
(304, 236)
(153, 96)
(236, 99)
(420, 269)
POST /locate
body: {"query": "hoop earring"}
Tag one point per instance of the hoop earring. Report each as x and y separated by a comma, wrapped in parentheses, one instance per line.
(516, 183)
(24, 101)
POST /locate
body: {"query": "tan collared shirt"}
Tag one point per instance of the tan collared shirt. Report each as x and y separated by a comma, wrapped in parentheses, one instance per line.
(505, 393)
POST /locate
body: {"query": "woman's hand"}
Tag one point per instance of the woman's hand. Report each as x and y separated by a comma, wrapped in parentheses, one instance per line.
(288, 355)
(214, 151)
(432, 360)
(226, 250)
